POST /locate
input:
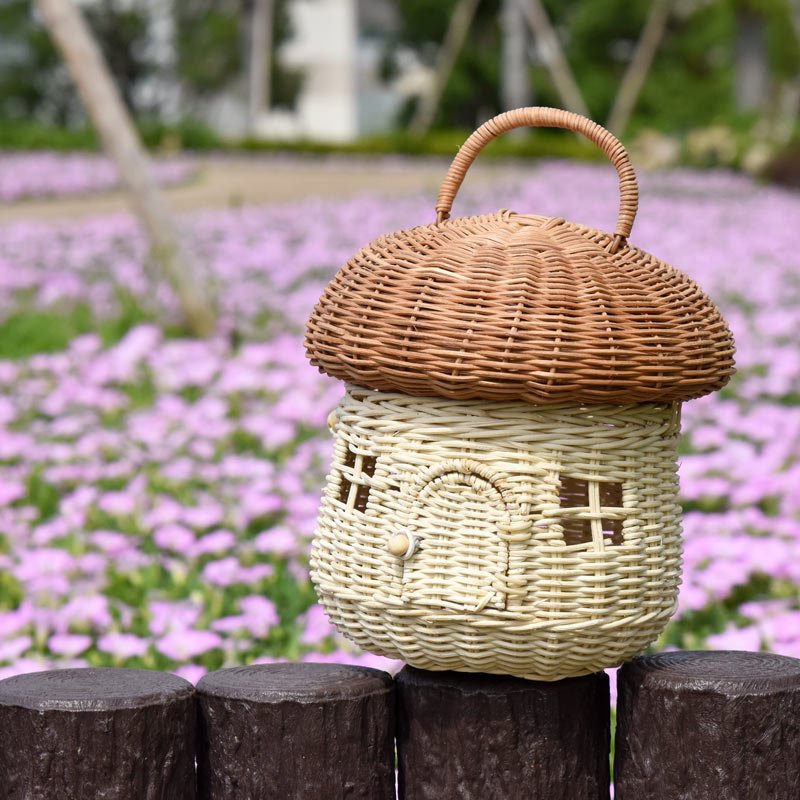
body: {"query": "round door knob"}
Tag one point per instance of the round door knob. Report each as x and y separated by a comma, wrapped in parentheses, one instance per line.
(398, 545)
(401, 545)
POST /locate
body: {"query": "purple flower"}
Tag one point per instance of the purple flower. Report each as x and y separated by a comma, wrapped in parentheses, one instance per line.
(215, 542)
(117, 503)
(279, 541)
(175, 538)
(190, 672)
(92, 610)
(22, 667)
(202, 516)
(228, 571)
(186, 644)
(10, 491)
(316, 626)
(69, 644)
(172, 616)
(123, 645)
(733, 638)
(12, 649)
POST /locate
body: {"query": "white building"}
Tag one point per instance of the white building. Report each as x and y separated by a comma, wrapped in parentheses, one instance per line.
(338, 45)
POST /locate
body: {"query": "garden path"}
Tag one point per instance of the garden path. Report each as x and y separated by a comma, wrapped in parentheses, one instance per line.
(223, 181)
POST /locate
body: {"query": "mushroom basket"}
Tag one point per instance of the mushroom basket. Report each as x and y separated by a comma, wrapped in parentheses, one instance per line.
(504, 495)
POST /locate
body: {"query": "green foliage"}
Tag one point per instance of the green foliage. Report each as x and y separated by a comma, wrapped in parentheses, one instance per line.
(122, 34)
(24, 135)
(25, 333)
(473, 92)
(34, 84)
(209, 44)
(42, 496)
(32, 80)
(212, 42)
(195, 136)
(690, 83)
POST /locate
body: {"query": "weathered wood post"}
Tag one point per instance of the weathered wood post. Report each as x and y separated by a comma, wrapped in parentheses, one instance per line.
(475, 736)
(116, 734)
(300, 731)
(720, 725)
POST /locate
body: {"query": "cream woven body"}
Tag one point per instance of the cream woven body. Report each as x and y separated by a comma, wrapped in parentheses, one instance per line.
(544, 540)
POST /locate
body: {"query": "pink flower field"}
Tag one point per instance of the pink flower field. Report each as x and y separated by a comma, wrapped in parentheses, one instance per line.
(158, 493)
(26, 176)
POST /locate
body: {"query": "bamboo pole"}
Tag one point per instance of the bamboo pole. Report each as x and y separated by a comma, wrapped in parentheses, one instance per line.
(635, 75)
(516, 89)
(553, 56)
(451, 46)
(101, 98)
(261, 31)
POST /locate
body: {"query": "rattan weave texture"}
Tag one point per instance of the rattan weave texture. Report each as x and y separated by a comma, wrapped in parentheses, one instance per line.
(500, 581)
(512, 306)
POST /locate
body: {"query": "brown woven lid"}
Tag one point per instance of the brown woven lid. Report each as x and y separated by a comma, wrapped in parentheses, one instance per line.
(519, 307)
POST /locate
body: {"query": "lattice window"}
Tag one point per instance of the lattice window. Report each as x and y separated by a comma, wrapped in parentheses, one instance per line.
(591, 511)
(354, 488)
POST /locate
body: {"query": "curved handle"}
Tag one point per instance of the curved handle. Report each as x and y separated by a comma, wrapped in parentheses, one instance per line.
(541, 117)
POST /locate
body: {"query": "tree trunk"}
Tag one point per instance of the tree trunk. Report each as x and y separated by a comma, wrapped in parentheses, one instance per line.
(553, 56)
(261, 25)
(454, 40)
(116, 734)
(300, 731)
(751, 67)
(721, 725)
(474, 737)
(121, 141)
(516, 86)
(636, 74)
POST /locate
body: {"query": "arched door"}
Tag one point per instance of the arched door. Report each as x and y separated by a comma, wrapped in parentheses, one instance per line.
(460, 560)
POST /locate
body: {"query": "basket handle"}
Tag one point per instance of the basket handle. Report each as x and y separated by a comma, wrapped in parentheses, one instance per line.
(541, 117)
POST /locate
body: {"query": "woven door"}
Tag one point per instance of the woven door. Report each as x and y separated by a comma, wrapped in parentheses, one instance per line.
(460, 560)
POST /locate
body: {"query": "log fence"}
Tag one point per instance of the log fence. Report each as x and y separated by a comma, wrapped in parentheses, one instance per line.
(690, 725)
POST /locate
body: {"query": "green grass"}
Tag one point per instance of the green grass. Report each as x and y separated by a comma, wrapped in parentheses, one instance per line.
(191, 135)
(25, 333)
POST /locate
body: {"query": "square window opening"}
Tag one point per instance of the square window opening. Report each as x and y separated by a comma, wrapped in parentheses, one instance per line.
(359, 467)
(587, 502)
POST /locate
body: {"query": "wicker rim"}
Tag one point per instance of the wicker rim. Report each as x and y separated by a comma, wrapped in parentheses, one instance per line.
(543, 117)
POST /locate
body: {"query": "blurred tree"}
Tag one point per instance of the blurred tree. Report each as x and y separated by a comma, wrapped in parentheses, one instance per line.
(212, 46)
(690, 80)
(122, 33)
(262, 23)
(84, 61)
(33, 81)
(472, 92)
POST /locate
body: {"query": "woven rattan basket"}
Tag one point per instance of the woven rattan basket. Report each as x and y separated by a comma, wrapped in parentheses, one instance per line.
(503, 496)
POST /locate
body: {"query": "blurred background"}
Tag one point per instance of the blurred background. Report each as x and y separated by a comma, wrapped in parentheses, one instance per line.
(707, 82)
(163, 442)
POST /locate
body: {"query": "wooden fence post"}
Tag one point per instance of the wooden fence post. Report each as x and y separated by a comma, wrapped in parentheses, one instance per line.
(475, 737)
(117, 734)
(300, 731)
(720, 725)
